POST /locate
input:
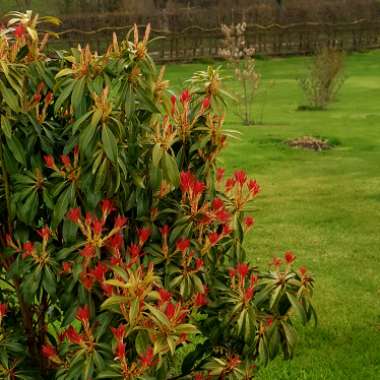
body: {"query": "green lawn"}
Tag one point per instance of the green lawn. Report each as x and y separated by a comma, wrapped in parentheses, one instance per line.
(323, 206)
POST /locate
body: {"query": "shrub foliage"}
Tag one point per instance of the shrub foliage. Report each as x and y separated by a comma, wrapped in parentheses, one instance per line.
(121, 244)
(325, 78)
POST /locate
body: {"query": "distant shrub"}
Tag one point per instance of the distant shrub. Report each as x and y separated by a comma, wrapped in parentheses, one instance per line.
(325, 78)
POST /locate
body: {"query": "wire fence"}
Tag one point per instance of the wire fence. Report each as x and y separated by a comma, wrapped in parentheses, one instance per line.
(195, 42)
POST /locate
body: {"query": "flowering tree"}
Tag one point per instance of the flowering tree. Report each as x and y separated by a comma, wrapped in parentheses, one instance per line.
(121, 242)
(240, 55)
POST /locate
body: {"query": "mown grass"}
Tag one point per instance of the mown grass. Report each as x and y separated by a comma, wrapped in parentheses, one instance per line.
(325, 206)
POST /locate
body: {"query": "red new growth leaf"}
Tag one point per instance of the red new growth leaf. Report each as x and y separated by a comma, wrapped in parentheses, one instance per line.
(183, 244)
(223, 216)
(88, 219)
(219, 174)
(214, 238)
(253, 280)
(232, 273)
(48, 351)
(185, 97)
(3, 310)
(99, 271)
(206, 103)
(240, 177)
(115, 241)
(19, 31)
(249, 221)
(186, 181)
(242, 269)
(83, 314)
(118, 332)
(73, 336)
(234, 361)
(276, 262)
(170, 310)
(173, 100)
(134, 250)
(97, 226)
(198, 187)
(28, 248)
(253, 187)
(49, 98)
(165, 230)
(120, 222)
(74, 215)
(49, 161)
(107, 206)
(143, 234)
(120, 350)
(65, 159)
(40, 87)
(66, 267)
(289, 257)
(248, 294)
(226, 230)
(147, 358)
(44, 233)
(217, 204)
(88, 251)
(230, 183)
(199, 263)
(87, 280)
(303, 271)
(164, 294)
(200, 300)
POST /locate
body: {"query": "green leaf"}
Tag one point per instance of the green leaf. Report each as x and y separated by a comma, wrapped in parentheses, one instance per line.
(291, 337)
(134, 312)
(142, 342)
(263, 351)
(28, 210)
(109, 374)
(64, 72)
(297, 307)
(159, 315)
(146, 103)
(101, 175)
(114, 300)
(170, 168)
(63, 96)
(85, 139)
(80, 121)
(275, 296)
(97, 115)
(69, 231)
(109, 143)
(78, 92)
(157, 154)
(49, 282)
(17, 149)
(9, 97)
(61, 207)
(6, 126)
